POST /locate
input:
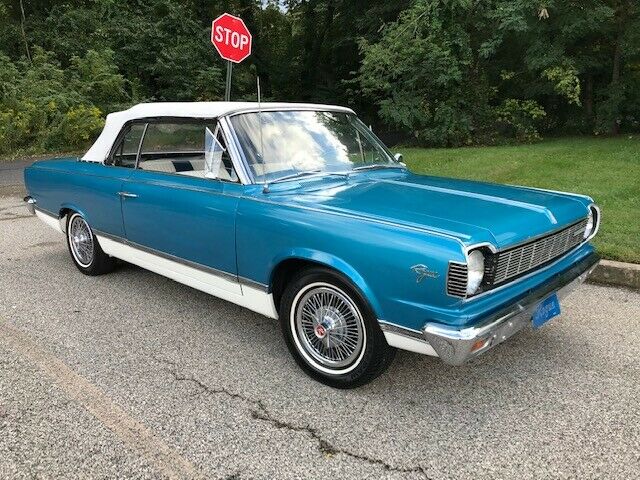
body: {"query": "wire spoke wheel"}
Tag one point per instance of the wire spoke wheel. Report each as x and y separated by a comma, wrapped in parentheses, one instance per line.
(328, 326)
(81, 241)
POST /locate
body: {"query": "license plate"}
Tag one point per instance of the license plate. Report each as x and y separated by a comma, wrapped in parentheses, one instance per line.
(548, 308)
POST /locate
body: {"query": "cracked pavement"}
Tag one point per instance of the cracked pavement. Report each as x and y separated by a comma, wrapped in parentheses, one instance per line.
(150, 370)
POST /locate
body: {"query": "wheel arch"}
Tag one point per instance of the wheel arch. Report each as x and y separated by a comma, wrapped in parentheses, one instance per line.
(65, 209)
(288, 265)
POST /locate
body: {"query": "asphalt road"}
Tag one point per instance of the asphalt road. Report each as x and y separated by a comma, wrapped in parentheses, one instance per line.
(11, 173)
(134, 375)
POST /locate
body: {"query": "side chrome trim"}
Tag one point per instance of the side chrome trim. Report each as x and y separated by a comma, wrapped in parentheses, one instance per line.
(198, 266)
(395, 328)
(213, 284)
(253, 284)
(46, 212)
(292, 108)
(51, 219)
(235, 152)
(406, 339)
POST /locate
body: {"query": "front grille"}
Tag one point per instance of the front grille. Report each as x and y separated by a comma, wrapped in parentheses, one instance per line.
(506, 265)
(457, 279)
(511, 263)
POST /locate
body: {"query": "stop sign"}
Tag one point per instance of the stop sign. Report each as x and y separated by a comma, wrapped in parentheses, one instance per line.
(231, 38)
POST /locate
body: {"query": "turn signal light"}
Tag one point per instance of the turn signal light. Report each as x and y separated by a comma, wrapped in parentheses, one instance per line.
(478, 344)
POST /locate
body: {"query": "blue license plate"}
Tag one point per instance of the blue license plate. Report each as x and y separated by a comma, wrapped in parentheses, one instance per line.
(548, 308)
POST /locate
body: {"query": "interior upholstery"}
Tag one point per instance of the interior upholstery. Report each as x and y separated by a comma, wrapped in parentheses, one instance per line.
(191, 167)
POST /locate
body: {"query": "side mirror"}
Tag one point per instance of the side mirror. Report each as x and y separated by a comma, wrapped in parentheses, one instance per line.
(398, 157)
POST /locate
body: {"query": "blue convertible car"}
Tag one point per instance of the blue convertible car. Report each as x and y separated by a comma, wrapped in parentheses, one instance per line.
(299, 212)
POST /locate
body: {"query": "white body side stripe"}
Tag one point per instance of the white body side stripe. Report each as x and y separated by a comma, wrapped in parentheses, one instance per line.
(246, 296)
(53, 222)
(404, 342)
(243, 295)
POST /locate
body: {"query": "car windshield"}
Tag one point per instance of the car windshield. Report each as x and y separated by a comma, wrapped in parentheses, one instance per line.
(288, 144)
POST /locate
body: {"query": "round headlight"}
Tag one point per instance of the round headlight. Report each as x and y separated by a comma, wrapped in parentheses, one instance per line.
(590, 224)
(475, 271)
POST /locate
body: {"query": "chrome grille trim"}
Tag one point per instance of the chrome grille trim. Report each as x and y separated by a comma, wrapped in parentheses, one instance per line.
(516, 261)
(457, 279)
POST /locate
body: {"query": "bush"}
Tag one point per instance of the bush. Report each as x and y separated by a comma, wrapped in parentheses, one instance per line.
(519, 119)
(77, 128)
(43, 106)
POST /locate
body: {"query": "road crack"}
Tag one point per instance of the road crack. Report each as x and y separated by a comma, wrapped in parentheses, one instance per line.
(260, 412)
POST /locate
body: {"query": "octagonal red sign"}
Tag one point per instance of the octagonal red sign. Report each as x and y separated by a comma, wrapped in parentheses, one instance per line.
(231, 38)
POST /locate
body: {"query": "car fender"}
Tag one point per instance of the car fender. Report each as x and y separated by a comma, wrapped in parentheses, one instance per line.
(335, 263)
(72, 206)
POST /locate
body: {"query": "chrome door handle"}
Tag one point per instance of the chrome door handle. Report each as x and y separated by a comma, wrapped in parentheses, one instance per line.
(127, 195)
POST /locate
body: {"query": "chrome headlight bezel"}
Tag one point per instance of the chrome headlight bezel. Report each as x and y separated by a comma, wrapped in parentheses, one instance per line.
(475, 271)
(593, 222)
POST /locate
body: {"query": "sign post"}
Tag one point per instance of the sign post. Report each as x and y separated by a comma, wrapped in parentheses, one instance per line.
(227, 88)
(232, 40)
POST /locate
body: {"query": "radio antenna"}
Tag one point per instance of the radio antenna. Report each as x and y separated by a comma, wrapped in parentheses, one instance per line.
(265, 189)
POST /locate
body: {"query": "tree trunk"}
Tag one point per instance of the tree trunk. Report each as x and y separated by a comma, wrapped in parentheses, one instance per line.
(316, 34)
(24, 33)
(615, 80)
(588, 97)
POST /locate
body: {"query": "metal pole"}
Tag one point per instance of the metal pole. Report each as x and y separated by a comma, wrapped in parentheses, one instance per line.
(227, 90)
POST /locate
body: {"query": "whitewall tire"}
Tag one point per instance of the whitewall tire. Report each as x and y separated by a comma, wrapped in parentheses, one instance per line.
(84, 248)
(331, 331)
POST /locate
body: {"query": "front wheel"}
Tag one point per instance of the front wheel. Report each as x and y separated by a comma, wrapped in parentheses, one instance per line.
(331, 331)
(84, 248)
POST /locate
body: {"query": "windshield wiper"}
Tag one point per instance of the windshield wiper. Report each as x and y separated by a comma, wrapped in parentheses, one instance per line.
(377, 166)
(309, 172)
(295, 175)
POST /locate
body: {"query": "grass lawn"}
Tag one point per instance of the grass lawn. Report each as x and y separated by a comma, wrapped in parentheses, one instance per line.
(607, 169)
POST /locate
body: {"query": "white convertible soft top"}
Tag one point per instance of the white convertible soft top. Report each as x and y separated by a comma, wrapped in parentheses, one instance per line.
(115, 121)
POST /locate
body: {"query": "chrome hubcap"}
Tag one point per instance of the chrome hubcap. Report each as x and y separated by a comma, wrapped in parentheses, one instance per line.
(81, 241)
(329, 327)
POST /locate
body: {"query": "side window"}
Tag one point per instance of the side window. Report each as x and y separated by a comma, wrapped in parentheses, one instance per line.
(125, 153)
(190, 149)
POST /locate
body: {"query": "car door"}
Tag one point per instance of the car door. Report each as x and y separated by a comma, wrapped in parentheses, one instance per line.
(176, 208)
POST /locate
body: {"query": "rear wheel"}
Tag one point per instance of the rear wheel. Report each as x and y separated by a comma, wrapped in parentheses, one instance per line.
(331, 331)
(84, 248)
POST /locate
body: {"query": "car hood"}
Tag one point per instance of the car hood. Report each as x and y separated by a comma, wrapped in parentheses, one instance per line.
(473, 212)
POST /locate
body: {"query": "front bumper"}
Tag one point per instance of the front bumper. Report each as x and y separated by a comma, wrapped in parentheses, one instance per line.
(456, 346)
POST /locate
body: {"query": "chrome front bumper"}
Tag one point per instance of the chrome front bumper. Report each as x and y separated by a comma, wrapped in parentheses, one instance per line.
(456, 346)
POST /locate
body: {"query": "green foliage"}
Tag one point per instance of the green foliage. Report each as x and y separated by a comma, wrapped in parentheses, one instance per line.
(425, 73)
(75, 129)
(520, 118)
(439, 72)
(43, 106)
(565, 82)
(455, 72)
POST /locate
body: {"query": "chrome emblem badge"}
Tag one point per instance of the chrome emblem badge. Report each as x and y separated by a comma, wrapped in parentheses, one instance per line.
(422, 272)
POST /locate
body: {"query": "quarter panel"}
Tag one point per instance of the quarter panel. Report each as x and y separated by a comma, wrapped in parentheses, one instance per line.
(90, 188)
